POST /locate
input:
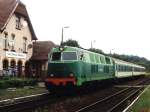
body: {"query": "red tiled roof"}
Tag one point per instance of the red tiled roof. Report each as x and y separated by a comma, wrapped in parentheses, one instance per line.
(41, 50)
(21, 9)
(7, 8)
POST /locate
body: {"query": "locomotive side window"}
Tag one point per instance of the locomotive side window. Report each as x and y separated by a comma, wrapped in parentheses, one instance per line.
(69, 56)
(56, 56)
(97, 59)
(102, 60)
(107, 60)
(92, 58)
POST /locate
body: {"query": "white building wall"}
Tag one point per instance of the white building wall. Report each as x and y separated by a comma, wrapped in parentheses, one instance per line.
(19, 34)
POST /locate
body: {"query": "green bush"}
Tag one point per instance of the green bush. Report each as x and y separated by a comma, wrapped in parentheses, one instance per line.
(17, 82)
(3, 84)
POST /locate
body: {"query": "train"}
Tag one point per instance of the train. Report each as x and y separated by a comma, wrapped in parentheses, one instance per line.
(72, 66)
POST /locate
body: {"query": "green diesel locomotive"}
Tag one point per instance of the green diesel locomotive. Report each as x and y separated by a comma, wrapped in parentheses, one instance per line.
(76, 66)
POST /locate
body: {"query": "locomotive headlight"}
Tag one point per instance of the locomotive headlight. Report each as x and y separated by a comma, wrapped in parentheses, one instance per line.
(71, 75)
(52, 75)
(61, 49)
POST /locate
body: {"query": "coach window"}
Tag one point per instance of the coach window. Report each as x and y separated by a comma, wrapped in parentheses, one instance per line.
(130, 68)
(125, 68)
(120, 68)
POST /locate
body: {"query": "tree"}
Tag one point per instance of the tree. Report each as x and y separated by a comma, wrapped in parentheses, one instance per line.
(71, 42)
(96, 50)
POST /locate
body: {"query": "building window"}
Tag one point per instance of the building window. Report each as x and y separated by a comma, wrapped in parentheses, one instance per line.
(19, 68)
(24, 44)
(5, 64)
(13, 67)
(18, 22)
(12, 42)
(5, 67)
(6, 41)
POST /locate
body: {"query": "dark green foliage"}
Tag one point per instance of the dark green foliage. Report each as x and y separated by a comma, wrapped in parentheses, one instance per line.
(3, 84)
(96, 50)
(71, 42)
(134, 59)
(17, 82)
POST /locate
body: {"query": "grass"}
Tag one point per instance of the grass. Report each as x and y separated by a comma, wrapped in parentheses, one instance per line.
(143, 103)
(20, 92)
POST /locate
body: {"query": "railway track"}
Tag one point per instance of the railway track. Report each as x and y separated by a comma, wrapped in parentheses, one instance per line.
(24, 103)
(115, 102)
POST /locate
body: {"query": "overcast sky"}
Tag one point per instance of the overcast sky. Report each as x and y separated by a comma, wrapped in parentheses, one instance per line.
(122, 26)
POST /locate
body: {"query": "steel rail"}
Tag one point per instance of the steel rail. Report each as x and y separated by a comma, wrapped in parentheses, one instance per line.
(31, 103)
(26, 103)
(113, 109)
(19, 99)
(107, 98)
(102, 100)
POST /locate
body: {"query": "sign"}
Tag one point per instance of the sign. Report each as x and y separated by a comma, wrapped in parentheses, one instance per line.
(15, 55)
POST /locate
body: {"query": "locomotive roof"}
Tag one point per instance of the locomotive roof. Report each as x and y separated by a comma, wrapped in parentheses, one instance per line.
(114, 59)
(70, 48)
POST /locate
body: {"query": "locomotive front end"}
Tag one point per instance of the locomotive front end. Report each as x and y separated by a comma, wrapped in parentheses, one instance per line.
(61, 74)
(62, 69)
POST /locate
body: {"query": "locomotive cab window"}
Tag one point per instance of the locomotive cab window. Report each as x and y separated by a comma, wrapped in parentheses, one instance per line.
(56, 56)
(107, 60)
(69, 56)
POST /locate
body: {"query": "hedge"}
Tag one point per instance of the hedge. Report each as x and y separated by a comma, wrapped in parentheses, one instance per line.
(16, 82)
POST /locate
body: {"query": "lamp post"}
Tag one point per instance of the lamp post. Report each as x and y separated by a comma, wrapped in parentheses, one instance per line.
(92, 43)
(62, 34)
(111, 51)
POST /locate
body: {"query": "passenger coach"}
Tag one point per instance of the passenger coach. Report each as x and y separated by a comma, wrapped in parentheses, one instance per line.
(126, 69)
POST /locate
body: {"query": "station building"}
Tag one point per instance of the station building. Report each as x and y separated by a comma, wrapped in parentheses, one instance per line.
(39, 59)
(16, 38)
